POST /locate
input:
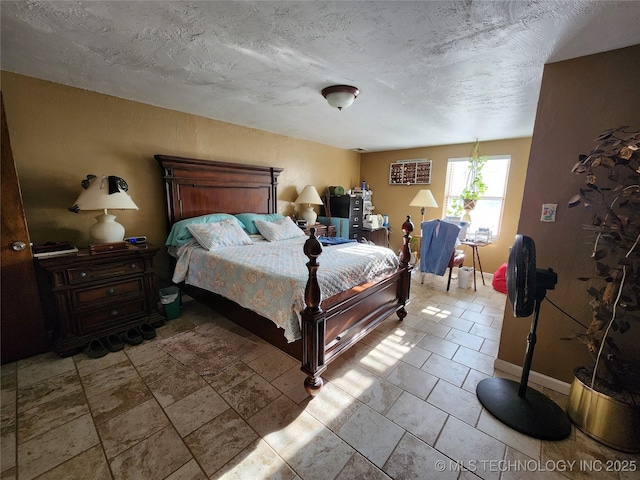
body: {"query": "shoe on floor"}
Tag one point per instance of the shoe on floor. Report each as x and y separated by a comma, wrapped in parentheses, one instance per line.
(95, 349)
(147, 331)
(112, 342)
(157, 323)
(132, 337)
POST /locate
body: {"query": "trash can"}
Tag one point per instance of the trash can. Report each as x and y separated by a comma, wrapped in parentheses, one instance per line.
(464, 277)
(170, 300)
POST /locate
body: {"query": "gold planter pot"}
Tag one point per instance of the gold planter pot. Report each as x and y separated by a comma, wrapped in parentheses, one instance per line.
(604, 418)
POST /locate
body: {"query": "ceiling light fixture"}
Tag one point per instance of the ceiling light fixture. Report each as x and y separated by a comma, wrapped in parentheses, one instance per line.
(340, 96)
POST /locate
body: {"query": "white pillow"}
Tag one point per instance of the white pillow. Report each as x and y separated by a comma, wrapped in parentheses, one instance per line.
(280, 230)
(227, 233)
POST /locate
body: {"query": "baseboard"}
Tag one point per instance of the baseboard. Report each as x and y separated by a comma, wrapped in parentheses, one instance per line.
(534, 377)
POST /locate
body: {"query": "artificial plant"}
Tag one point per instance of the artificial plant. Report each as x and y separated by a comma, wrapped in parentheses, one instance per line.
(612, 196)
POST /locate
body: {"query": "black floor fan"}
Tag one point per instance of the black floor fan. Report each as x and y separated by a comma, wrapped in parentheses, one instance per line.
(526, 410)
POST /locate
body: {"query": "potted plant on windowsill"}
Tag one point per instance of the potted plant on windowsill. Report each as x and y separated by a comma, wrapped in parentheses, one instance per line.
(604, 400)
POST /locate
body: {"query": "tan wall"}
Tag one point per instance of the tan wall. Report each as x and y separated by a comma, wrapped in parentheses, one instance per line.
(394, 199)
(60, 134)
(579, 99)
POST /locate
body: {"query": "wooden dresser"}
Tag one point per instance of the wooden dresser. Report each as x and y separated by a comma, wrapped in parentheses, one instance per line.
(87, 296)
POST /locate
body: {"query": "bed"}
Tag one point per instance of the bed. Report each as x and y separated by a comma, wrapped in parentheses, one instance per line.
(328, 323)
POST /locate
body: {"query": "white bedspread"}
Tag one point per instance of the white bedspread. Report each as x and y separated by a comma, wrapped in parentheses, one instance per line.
(270, 277)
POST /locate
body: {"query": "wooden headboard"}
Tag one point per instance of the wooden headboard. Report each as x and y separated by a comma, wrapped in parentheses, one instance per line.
(198, 187)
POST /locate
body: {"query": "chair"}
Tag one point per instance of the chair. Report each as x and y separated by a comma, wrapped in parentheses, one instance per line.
(457, 259)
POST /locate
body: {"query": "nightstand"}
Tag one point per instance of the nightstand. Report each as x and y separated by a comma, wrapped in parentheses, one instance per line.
(87, 296)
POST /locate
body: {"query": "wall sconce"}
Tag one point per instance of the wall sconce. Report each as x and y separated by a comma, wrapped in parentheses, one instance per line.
(340, 96)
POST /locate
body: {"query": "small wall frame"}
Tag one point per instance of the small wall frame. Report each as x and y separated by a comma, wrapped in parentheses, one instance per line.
(408, 172)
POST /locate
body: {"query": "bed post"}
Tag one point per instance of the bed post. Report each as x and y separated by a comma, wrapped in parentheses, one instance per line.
(404, 258)
(405, 252)
(313, 321)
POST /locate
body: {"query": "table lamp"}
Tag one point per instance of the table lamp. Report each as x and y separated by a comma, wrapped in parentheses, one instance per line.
(424, 199)
(309, 195)
(104, 193)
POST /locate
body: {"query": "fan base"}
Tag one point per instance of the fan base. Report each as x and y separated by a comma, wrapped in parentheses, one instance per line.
(535, 415)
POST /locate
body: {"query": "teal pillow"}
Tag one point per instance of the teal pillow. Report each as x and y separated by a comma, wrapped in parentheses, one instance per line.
(247, 219)
(180, 235)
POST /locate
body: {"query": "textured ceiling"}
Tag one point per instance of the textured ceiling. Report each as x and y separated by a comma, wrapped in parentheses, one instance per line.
(429, 72)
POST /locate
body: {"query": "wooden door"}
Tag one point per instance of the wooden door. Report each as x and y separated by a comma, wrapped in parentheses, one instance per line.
(22, 326)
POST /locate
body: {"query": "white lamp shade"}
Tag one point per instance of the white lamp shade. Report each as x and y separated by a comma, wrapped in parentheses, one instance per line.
(424, 198)
(97, 197)
(310, 195)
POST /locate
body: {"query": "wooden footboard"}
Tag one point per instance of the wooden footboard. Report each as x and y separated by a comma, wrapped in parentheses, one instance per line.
(341, 321)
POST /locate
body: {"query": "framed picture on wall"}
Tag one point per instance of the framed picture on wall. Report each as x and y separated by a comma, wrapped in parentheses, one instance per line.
(408, 172)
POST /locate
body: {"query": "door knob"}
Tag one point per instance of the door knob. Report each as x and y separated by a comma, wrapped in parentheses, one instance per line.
(17, 246)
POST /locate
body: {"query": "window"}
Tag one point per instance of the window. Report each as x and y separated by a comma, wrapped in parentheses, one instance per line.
(488, 210)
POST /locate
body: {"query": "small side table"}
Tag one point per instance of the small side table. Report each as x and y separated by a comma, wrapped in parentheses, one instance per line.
(321, 230)
(475, 254)
(379, 236)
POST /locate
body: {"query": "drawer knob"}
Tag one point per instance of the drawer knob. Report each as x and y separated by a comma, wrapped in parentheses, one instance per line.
(111, 291)
(133, 265)
(113, 313)
(83, 274)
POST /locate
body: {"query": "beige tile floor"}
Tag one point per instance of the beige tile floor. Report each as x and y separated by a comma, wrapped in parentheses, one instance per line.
(401, 404)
